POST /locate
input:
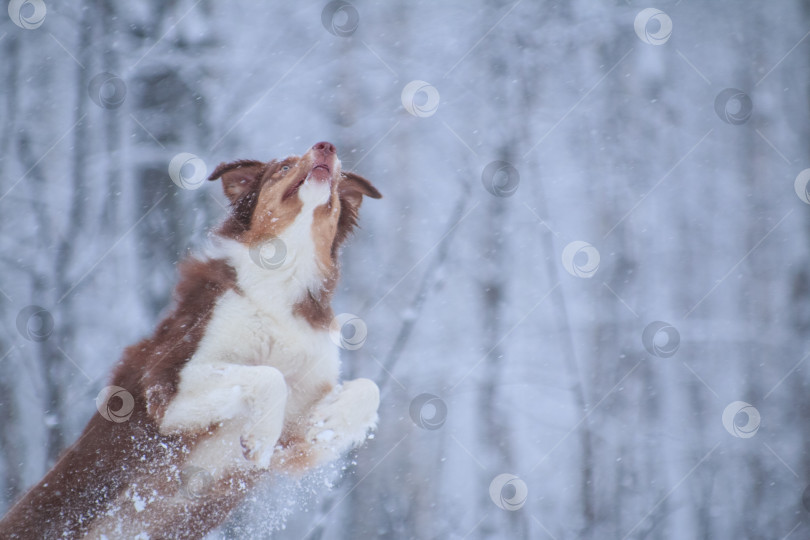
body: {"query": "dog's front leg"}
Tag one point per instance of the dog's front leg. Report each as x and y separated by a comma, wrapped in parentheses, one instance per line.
(342, 419)
(251, 398)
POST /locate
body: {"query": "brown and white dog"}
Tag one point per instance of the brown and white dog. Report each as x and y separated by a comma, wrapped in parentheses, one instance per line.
(240, 378)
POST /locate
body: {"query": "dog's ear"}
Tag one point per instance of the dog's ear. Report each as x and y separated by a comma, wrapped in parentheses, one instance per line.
(352, 187)
(238, 177)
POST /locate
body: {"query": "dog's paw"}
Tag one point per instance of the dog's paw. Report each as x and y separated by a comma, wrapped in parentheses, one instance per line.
(256, 450)
(343, 419)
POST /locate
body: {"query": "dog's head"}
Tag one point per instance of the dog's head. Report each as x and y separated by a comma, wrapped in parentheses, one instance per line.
(267, 199)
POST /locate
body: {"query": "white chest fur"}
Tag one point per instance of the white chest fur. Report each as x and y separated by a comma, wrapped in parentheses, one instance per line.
(242, 333)
(257, 371)
(255, 326)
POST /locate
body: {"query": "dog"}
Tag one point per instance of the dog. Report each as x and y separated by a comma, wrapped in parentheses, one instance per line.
(241, 377)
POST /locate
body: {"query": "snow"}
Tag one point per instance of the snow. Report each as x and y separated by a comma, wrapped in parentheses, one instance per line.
(697, 223)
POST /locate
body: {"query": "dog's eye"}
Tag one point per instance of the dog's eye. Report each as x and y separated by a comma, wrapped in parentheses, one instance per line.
(285, 168)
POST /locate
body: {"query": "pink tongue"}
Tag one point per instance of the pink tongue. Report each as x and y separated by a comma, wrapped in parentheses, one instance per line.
(320, 173)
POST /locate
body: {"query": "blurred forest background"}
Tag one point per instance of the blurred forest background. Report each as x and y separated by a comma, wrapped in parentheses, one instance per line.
(580, 320)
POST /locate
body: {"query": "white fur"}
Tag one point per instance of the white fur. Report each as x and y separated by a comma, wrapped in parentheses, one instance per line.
(259, 369)
(342, 419)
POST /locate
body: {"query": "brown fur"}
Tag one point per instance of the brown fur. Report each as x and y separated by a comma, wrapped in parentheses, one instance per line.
(240, 184)
(110, 458)
(294, 456)
(256, 191)
(351, 189)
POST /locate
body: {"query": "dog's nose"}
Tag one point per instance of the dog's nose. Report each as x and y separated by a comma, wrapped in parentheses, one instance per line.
(325, 148)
